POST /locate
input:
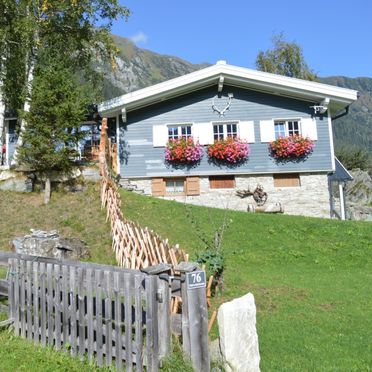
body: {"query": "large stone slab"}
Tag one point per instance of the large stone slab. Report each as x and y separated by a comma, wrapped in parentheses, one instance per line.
(50, 244)
(238, 335)
(14, 181)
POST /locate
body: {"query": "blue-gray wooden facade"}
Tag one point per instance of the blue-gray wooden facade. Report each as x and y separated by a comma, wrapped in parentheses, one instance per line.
(139, 158)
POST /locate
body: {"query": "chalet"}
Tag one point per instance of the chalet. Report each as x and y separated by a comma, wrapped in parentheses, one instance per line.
(224, 101)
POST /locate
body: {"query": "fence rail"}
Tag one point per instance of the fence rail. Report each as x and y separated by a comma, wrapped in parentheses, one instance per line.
(135, 247)
(112, 315)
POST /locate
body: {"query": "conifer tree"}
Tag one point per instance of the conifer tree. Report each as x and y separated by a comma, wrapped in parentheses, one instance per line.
(62, 42)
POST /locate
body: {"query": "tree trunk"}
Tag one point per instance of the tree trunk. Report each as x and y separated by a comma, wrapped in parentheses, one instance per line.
(47, 190)
(2, 125)
(26, 108)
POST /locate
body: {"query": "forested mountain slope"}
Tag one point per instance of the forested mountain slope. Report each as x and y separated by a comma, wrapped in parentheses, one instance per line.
(137, 68)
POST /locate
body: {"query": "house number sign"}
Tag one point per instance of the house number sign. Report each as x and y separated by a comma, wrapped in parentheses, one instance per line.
(196, 279)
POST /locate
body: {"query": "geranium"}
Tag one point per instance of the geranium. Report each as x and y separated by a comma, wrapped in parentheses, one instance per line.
(231, 150)
(183, 150)
(291, 147)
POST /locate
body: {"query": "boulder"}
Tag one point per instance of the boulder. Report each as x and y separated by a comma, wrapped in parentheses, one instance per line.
(50, 244)
(238, 335)
(15, 181)
(359, 190)
(91, 174)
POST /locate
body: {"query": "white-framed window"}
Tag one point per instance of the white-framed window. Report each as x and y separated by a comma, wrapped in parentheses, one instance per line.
(285, 128)
(174, 186)
(224, 130)
(179, 131)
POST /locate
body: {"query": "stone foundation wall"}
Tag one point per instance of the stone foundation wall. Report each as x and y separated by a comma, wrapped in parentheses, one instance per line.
(311, 198)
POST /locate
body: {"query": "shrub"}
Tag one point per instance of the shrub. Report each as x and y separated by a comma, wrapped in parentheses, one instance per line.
(183, 150)
(353, 158)
(291, 147)
(230, 150)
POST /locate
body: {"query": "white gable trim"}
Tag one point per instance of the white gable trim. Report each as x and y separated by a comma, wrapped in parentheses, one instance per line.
(233, 75)
(330, 131)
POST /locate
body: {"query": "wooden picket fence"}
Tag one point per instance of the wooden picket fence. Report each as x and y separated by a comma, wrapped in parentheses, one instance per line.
(135, 247)
(112, 315)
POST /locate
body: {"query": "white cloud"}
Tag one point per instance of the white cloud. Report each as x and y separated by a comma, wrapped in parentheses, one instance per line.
(139, 37)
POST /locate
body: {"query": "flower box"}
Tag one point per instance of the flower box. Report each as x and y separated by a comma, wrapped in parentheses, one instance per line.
(229, 150)
(183, 150)
(291, 147)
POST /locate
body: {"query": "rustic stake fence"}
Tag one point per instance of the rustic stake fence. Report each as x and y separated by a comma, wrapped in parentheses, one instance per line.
(135, 247)
(112, 315)
(115, 315)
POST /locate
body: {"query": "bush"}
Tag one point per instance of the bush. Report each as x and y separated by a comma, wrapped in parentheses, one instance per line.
(353, 158)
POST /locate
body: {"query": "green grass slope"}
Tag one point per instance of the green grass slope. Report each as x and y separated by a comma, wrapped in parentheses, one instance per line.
(311, 278)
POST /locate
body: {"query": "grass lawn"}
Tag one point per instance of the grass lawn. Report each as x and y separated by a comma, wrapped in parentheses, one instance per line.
(311, 278)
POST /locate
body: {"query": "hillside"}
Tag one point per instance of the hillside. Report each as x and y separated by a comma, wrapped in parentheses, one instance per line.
(354, 129)
(138, 68)
(311, 277)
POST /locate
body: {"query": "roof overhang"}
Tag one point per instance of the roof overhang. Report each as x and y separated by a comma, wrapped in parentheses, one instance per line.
(224, 74)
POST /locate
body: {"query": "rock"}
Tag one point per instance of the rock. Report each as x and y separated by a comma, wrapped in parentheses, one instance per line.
(359, 196)
(15, 181)
(360, 212)
(61, 177)
(359, 190)
(50, 244)
(238, 335)
(91, 174)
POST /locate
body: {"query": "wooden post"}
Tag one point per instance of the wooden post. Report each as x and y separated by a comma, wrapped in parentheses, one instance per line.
(194, 316)
(163, 303)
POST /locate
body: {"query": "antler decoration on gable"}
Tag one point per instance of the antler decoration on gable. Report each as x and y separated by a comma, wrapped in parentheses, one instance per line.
(222, 112)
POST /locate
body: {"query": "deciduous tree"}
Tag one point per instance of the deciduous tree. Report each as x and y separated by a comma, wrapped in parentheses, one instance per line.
(284, 58)
(63, 41)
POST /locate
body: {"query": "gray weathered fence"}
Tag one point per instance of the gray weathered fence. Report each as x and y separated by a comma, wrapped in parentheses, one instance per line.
(110, 314)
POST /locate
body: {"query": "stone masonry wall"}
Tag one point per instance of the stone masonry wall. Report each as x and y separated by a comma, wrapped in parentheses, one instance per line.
(309, 199)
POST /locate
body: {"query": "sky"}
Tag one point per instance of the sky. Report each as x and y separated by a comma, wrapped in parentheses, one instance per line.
(335, 35)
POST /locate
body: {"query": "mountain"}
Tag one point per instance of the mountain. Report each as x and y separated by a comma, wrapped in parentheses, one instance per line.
(354, 129)
(137, 68)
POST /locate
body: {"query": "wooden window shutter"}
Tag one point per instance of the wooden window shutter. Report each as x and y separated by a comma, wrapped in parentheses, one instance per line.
(267, 130)
(159, 135)
(246, 131)
(222, 182)
(192, 186)
(158, 187)
(308, 128)
(287, 180)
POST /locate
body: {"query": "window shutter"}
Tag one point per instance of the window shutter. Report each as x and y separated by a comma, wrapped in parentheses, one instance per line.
(287, 180)
(267, 130)
(221, 182)
(308, 128)
(192, 186)
(203, 132)
(159, 135)
(158, 187)
(246, 131)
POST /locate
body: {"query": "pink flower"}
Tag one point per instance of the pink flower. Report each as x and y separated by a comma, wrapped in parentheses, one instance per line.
(183, 150)
(291, 147)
